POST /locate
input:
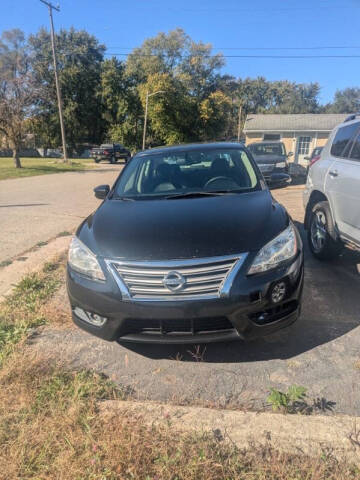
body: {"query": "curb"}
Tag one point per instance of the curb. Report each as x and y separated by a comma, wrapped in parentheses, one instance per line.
(294, 434)
(34, 260)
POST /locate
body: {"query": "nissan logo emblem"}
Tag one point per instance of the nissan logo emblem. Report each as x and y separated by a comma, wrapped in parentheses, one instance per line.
(174, 281)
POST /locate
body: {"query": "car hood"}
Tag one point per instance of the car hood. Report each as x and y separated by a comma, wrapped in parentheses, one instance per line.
(183, 228)
(265, 159)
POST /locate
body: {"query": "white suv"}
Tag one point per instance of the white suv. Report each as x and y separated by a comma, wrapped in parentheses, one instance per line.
(332, 193)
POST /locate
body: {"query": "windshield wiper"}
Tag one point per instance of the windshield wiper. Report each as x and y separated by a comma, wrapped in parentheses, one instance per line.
(196, 194)
(127, 199)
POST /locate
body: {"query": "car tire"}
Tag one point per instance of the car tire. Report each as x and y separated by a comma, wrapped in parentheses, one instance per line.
(112, 159)
(97, 160)
(322, 236)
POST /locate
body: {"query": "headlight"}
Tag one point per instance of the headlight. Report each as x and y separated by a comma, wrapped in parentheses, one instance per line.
(84, 261)
(283, 247)
(281, 165)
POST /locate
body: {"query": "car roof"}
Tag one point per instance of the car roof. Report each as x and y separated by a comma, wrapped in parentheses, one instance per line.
(349, 121)
(186, 147)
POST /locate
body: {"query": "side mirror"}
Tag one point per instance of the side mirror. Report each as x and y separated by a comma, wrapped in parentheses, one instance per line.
(290, 154)
(279, 179)
(101, 191)
(307, 158)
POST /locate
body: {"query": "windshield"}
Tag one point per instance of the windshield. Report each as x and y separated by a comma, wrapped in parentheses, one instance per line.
(185, 172)
(267, 149)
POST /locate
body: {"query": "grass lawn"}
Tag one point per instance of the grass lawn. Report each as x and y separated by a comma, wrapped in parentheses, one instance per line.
(51, 427)
(40, 166)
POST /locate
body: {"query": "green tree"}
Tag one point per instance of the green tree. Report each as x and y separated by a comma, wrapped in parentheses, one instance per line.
(170, 114)
(17, 90)
(346, 101)
(261, 96)
(198, 69)
(189, 74)
(80, 57)
(160, 54)
(214, 114)
(121, 106)
(290, 97)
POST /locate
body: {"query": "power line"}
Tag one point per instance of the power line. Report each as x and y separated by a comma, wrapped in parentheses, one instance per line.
(235, 56)
(273, 9)
(262, 48)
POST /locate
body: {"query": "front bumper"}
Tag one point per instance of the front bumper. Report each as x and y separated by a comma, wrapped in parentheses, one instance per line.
(247, 313)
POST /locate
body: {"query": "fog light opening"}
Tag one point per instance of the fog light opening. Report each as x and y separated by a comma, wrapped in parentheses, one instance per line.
(278, 292)
(90, 317)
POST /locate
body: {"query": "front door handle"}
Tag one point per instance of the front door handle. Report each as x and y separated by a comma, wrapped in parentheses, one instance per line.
(334, 173)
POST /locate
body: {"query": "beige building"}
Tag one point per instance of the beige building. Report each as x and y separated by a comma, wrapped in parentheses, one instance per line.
(301, 133)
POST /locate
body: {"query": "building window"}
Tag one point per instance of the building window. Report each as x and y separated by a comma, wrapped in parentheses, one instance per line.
(271, 136)
(304, 145)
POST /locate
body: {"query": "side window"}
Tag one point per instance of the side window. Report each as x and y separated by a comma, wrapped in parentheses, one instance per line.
(271, 136)
(355, 152)
(342, 139)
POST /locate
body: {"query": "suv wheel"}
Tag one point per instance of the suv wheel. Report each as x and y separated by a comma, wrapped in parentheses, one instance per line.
(97, 160)
(322, 235)
(112, 159)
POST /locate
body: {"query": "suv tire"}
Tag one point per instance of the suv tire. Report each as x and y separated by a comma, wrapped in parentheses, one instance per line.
(322, 235)
(112, 159)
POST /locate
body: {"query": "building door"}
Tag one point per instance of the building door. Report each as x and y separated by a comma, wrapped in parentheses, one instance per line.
(303, 149)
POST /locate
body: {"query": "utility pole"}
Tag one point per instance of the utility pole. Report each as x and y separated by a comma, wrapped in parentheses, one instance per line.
(58, 92)
(145, 119)
(146, 113)
(239, 122)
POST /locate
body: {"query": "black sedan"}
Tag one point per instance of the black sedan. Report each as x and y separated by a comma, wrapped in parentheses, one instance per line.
(187, 246)
(272, 160)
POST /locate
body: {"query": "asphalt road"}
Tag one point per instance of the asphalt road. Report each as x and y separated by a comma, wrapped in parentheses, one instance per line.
(35, 209)
(320, 352)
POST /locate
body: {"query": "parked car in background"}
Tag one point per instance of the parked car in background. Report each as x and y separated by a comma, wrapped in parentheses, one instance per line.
(314, 157)
(187, 246)
(111, 152)
(332, 193)
(272, 160)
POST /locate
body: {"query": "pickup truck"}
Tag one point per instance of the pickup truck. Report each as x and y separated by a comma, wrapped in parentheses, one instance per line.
(111, 152)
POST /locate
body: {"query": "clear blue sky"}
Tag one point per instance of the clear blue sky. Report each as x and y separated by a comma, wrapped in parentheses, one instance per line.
(227, 24)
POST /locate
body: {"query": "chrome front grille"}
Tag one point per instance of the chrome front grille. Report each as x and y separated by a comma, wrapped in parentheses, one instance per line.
(176, 279)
